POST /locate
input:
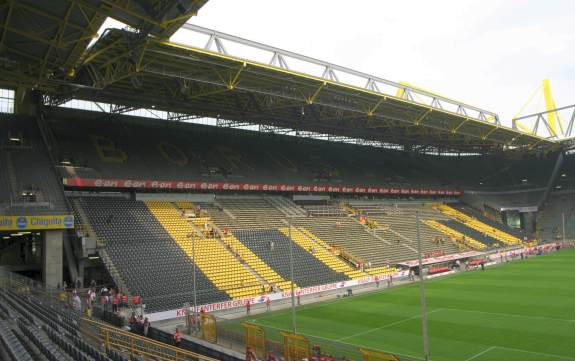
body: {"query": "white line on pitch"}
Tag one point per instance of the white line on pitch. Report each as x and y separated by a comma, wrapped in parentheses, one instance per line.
(387, 325)
(481, 353)
(536, 353)
(510, 315)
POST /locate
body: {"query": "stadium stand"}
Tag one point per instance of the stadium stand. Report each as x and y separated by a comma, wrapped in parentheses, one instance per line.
(399, 221)
(490, 228)
(28, 184)
(136, 148)
(272, 247)
(151, 263)
(211, 256)
(321, 251)
(550, 222)
(33, 330)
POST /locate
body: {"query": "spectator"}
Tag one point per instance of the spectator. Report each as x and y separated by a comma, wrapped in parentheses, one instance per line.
(132, 321)
(248, 307)
(124, 300)
(177, 337)
(268, 304)
(115, 303)
(146, 326)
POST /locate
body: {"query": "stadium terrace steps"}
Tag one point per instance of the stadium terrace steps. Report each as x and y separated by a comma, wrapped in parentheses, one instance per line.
(273, 248)
(475, 213)
(211, 257)
(302, 237)
(549, 220)
(233, 245)
(251, 259)
(465, 240)
(346, 233)
(286, 206)
(404, 223)
(471, 233)
(474, 223)
(148, 259)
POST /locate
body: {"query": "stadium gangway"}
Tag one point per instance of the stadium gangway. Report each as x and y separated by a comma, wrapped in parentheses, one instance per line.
(137, 346)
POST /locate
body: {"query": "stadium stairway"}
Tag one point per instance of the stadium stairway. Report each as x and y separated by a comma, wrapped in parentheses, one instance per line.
(308, 241)
(464, 240)
(477, 225)
(211, 257)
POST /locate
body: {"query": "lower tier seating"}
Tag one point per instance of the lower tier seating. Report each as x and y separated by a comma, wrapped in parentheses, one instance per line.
(216, 262)
(273, 247)
(476, 224)
(151, 263)
(472, 233)
(307, 240)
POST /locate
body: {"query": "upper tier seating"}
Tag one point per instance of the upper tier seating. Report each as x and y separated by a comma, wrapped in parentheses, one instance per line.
(151, 263)
(28, 184)
(137, 148)
(273, 247)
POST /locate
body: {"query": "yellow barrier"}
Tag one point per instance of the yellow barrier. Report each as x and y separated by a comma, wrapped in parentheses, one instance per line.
(135, 345)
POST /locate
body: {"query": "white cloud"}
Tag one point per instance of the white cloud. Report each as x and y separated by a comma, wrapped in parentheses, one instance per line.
(491, 54)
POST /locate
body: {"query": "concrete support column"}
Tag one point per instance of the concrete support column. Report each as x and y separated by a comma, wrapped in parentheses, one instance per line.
(81, 272)
(53, 256)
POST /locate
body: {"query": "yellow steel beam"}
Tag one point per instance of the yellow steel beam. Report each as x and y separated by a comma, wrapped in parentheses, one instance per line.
(6, 23)
(185, 16)
(489, 133)
(371, 111)
(552, 118)
(31, 36)
(314, 78)
(420, 119)
(312, 98)
(454, 130)
(59, 36)
(44, 14)
(235, 80)
(98, 52)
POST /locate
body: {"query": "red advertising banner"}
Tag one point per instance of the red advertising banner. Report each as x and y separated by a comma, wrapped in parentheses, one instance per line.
(246, 187)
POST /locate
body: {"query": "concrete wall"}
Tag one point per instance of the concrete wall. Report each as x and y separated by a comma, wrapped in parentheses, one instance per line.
(53, 253)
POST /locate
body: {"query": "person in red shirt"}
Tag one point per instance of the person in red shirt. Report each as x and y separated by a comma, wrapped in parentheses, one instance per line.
(248, 307)
(177, 337)
(115, 301)
(124, 300)
(268, 304)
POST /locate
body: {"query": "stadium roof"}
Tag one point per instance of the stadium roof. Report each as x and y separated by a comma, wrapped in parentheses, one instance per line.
(41, 41)
(186, 80)
(43, 46)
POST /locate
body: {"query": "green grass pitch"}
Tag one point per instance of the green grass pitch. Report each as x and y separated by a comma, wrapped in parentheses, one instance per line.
(519, 311)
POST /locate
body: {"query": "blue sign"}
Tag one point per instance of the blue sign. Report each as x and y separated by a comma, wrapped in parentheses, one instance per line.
(22, 222)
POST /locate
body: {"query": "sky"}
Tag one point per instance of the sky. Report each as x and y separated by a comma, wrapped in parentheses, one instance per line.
(489, 54)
